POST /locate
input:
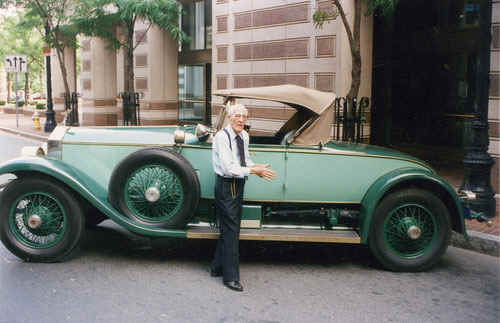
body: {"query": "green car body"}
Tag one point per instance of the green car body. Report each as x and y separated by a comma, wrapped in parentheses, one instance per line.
(318, 181)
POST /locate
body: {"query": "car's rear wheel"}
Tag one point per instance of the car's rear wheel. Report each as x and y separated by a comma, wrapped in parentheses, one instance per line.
(40, 220)
(410, 230)
(155, 187)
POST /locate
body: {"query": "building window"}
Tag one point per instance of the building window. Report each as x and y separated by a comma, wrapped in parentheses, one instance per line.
(197, 24)
(191, 93)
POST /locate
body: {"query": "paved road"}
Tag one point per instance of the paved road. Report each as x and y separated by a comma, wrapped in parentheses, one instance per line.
(122, 278)
(10, 147)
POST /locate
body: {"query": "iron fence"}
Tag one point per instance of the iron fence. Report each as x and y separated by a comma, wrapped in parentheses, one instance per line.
(71, 107)
(131, 108)
(348, 119)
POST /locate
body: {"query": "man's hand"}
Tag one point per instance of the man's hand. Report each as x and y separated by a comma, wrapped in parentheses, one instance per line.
(263, 171)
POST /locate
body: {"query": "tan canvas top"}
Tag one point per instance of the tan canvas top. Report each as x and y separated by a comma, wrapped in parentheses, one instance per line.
(294, 95)
(309, 127)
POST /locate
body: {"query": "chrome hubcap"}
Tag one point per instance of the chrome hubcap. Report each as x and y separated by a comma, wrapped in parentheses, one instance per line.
(152, 194)
(34, 221)
(414, 232)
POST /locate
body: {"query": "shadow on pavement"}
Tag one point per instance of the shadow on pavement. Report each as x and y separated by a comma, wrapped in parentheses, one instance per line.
(110, 240)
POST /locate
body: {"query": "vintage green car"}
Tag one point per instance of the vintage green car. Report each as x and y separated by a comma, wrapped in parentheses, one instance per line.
(158, 182)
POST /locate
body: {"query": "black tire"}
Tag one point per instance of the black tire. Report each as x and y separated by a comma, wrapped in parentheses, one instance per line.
(93, 217)
(399, 214)
(176, 182)
(58, 228)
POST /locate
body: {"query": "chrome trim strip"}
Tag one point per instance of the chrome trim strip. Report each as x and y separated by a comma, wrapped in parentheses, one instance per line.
(321, 152)
(300, 201)
(84, 143)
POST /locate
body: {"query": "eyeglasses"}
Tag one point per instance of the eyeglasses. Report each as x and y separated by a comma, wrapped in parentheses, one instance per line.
(239, 116)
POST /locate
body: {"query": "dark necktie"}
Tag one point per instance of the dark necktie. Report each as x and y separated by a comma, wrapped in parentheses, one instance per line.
(241, 150)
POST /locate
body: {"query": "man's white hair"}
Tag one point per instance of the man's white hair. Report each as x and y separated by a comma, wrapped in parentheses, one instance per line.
(234, 108)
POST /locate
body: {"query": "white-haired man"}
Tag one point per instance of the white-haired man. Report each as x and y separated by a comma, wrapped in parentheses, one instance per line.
(232, 166)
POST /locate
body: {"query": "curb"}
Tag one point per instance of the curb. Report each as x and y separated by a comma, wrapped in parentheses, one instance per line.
(480, 242)
(24, 134)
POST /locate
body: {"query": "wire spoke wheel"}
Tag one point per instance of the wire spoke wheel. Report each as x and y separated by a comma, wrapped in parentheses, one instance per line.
(156, 188)
(410, 230)
(38, 220)
(159, 181)
(401, 221)
(41, 220)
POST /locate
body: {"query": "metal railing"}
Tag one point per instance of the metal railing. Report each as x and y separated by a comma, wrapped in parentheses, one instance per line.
(348, 119)
(131, 108)
(71, 108)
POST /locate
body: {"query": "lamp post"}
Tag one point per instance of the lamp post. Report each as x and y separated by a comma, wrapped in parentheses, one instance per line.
(478, 162)
(50, 122)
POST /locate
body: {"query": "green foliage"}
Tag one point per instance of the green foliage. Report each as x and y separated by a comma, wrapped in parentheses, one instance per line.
(16, 39)
(20, 103)
(40, 106)
(385, 8)
(2, 102)
(99, 17)
(114, 20)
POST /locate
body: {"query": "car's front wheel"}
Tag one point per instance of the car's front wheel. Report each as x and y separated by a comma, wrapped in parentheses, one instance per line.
(40, 220)
(155, 187)
(410, 230)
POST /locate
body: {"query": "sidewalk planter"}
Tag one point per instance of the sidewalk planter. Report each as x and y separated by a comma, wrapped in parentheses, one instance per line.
(9, 109)
(28, 110)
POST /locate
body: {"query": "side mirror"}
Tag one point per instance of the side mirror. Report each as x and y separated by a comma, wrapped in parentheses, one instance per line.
(202, 132)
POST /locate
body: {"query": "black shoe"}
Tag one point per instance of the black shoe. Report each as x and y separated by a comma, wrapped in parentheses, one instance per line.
(215, 273)
(234, 285)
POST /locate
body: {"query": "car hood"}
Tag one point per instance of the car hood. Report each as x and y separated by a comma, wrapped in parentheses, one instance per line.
(373, 151)
(144, 135)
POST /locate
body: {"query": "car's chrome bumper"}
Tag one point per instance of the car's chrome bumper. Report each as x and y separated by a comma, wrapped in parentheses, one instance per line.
(466, 197)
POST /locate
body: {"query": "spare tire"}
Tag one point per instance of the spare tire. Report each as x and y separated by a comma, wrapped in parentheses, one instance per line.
(155, 187)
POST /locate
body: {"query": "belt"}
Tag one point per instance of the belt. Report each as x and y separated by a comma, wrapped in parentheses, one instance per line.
(230, 179)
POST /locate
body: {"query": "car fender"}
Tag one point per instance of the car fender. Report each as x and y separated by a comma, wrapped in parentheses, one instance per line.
(84, 186)
(402, 176)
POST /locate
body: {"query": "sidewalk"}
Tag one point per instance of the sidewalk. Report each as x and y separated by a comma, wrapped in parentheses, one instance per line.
(482, 238)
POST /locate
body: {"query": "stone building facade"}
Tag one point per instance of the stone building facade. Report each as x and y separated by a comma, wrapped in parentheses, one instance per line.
(237, 43)
(247, 44)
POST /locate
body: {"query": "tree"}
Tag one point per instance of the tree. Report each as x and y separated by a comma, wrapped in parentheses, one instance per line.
(52, 19)
(25, 41)
(114, 20)
(385, 7)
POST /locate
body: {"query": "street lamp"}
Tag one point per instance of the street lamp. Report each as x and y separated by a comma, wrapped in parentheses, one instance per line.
(50, 121)
(478, 162)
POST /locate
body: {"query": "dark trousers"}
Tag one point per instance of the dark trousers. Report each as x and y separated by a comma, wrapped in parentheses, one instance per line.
(228, 204)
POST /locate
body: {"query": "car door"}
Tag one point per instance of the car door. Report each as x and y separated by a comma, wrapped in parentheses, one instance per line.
(258, 189)
(313, 175)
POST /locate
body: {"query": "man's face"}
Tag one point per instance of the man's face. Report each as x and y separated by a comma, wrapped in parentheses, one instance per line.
(238, 120)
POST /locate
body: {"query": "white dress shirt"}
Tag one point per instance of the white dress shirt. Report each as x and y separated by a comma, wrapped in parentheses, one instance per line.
(226, 158)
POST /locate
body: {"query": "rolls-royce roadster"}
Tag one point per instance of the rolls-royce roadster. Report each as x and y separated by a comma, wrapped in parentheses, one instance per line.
(158, 181)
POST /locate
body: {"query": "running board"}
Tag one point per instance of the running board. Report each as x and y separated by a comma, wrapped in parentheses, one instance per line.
(299, 235)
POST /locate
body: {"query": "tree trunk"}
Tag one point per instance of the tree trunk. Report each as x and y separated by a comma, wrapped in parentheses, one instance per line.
(9, 87)
(62, 65)
(355, 46)
(26, 87)
(129, 63)
(42, 89)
